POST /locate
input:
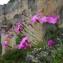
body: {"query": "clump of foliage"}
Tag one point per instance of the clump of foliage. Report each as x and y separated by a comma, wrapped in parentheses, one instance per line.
(52, 53)
(15, 56)
(19, 37)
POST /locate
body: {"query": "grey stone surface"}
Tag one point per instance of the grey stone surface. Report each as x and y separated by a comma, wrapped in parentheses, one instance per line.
(27, 8)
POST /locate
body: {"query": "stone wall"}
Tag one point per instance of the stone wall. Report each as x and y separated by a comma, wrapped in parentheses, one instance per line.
(27, 8)
(35, 35)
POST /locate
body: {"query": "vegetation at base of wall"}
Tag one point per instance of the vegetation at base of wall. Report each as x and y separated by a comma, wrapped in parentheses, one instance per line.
(15, 56)
(34, 55)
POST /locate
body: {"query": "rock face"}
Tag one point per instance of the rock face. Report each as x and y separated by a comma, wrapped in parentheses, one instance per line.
(24, 9)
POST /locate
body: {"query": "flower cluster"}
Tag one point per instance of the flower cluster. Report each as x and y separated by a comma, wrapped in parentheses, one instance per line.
(19, 27)
(50, 20)
(45, 19)
(51, 43)
(5, 44)
(6, 41)
(24, 43)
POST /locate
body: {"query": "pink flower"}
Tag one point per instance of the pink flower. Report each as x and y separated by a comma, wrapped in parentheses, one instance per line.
(24, 43)
(43, 19)
(19, 27)
(35, 18)
(39, 19)
(5, 44)
(52, 19)
(51, 43)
